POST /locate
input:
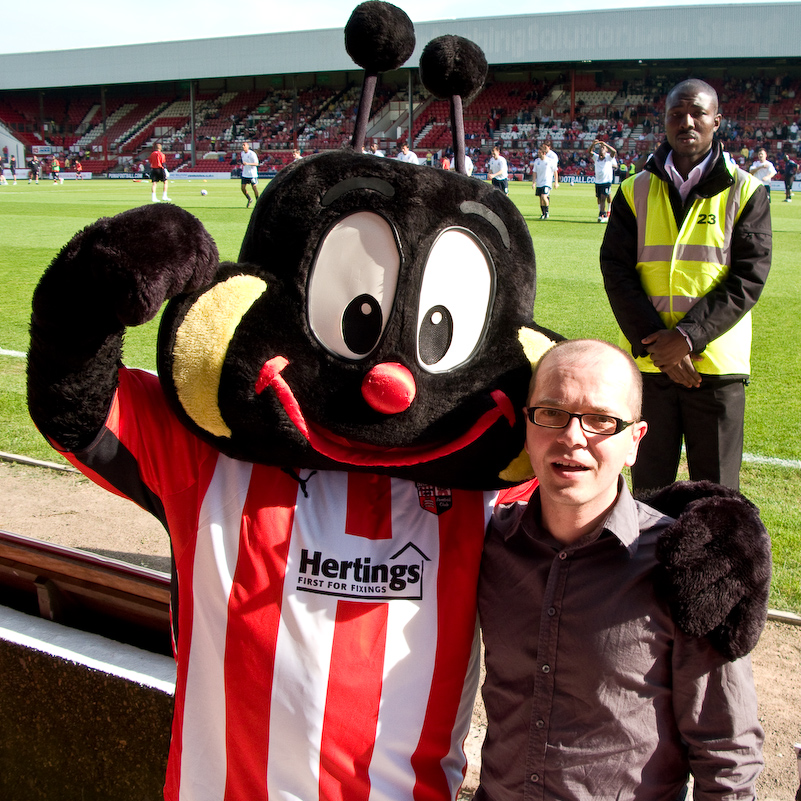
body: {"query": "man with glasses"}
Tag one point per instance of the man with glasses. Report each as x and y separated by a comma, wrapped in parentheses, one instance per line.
(591, 690)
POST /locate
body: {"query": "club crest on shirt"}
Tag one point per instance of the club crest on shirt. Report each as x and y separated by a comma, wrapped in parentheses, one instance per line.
(434, 499)
(364, 577)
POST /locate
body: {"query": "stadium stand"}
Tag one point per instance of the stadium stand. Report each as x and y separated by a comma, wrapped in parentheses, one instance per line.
(519, 115)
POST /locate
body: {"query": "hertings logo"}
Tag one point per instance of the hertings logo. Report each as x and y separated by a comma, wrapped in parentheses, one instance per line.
(400, 577)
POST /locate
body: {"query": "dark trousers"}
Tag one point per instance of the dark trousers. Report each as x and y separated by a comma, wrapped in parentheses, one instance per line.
(709, 420)
(502, 184)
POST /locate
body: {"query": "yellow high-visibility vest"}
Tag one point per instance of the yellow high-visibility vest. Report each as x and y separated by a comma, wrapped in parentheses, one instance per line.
(678, 266)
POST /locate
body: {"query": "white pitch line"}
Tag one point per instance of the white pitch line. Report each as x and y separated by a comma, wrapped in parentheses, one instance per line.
(753, 458)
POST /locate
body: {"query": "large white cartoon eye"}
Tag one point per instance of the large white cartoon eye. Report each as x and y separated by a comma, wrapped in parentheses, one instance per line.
(455, 301)
(352, 284)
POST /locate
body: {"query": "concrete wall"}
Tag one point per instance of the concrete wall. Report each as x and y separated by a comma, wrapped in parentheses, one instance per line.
(83, 718)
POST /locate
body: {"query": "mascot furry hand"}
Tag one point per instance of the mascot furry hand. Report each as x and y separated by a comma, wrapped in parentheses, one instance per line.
(715, 564)
(334, 416)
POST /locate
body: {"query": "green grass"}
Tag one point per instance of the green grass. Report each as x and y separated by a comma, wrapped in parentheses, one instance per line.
(38, 220)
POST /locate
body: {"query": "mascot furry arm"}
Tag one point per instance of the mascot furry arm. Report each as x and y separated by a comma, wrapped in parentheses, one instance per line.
(118, 272)
(334, 416)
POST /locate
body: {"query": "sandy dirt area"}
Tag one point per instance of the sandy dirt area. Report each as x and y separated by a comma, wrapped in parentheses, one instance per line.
(68, 509)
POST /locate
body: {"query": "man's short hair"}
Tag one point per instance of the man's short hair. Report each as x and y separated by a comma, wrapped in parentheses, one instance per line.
(692, 86)
(573, 349)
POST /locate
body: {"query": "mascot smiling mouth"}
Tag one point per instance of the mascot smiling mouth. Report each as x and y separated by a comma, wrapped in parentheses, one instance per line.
(343, 450)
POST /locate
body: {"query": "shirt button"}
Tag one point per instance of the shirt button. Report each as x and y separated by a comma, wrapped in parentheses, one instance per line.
(546, 668)
(562, 554)
(535, 777)
(551, 611)
(539, 724)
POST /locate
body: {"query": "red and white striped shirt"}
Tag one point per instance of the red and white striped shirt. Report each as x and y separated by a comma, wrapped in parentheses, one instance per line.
(327, 640)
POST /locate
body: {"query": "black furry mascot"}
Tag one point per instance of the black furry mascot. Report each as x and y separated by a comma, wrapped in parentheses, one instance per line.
(334, 416)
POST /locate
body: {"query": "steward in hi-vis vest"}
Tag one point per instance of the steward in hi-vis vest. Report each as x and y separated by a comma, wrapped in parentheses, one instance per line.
(682, 257)
(685, 257)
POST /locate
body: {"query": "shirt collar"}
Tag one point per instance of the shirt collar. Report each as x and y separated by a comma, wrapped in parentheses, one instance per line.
(622, 522)
(693, 177)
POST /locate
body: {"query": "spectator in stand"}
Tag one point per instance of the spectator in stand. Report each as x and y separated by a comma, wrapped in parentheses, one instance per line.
(605, 164)
(545, 178)
(790, 170)
(158, 172)
(250, 172)
(375, 151)
(407, 155)
(763, 169)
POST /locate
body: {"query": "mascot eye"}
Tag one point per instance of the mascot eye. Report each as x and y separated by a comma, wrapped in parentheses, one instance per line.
(362, 323)
(352, 284)
(455, 301)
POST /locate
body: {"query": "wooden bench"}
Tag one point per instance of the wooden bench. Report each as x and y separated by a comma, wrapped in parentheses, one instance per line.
(87, 591)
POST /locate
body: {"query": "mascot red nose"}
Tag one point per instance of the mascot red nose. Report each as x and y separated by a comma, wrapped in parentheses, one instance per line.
(334, 418)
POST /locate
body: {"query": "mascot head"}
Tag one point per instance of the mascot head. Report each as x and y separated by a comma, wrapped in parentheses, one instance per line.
(379, 317)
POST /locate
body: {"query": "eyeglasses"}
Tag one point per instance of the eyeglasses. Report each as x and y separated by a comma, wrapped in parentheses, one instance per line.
(592, 423)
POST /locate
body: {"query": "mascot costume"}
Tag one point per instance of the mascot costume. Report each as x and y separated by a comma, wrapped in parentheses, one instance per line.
(334, 417)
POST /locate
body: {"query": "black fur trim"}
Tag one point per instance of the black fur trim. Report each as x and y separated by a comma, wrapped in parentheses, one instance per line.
(715, 564)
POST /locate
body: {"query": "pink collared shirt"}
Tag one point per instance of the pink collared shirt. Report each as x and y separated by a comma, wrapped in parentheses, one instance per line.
(695, 175)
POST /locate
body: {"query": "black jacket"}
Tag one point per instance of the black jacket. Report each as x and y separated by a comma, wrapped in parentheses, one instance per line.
(723, 306)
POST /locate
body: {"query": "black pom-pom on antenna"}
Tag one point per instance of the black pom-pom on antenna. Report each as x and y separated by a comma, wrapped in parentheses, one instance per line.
(379, 36)
(455, 68)
(453, 65)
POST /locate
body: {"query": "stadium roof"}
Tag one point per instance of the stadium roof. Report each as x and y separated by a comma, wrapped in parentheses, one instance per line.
(737, 31)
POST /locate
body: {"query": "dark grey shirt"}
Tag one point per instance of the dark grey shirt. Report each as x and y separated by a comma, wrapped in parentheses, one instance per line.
(592, 692)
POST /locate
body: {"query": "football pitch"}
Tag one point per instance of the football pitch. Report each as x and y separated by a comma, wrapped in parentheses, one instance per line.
(37, 220)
